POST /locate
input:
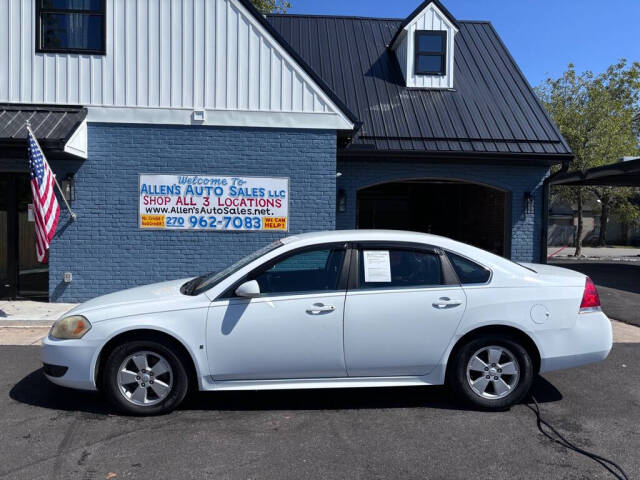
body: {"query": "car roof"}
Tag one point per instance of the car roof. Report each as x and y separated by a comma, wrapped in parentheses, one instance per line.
(483, 257)
(366, 235)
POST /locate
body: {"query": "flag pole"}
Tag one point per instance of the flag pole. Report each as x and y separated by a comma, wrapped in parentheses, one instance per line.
(74, 217)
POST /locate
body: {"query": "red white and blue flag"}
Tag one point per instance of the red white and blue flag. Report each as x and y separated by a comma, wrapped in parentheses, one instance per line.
(45, 205)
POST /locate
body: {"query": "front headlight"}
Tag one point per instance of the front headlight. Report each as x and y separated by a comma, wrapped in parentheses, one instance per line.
(67, 328)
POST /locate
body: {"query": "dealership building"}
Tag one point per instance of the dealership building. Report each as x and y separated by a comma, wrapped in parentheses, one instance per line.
(187, 134)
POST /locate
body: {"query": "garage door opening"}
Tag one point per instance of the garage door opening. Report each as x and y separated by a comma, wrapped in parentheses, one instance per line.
(471, 213)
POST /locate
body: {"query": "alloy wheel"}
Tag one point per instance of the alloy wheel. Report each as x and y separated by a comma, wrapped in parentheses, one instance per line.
(493, 372)
(145, 378)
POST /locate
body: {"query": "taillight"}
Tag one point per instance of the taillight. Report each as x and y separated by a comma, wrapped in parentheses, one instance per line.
(590, 298)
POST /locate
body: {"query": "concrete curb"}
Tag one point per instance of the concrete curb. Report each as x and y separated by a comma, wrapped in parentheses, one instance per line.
(26, 323)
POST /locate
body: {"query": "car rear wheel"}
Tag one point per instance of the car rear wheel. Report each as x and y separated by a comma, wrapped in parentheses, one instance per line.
(145, 377)
(491, 372)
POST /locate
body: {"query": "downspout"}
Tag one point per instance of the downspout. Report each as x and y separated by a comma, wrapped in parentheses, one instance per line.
(546, 192)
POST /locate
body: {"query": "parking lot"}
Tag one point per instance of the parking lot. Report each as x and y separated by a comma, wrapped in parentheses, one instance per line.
(618, 284)
(52, 433)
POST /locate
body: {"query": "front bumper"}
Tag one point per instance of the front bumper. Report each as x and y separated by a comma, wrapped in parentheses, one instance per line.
(589, 341)
(78, 356)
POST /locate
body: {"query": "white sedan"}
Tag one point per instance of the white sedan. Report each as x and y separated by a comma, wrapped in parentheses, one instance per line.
(364, 308)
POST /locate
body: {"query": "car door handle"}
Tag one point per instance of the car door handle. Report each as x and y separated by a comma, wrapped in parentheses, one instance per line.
(444, 303)
(318, 308)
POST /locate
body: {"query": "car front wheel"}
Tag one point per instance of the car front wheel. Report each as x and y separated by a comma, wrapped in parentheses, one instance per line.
(145, 378)
(491, 372)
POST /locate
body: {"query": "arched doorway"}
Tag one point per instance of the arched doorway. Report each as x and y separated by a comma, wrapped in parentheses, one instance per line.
(471, 213)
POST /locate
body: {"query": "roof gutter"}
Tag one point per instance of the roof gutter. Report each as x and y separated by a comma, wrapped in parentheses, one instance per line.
(575, 178)
(509, 158)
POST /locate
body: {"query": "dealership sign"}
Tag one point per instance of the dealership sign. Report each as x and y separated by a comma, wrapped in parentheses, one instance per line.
(208, 202)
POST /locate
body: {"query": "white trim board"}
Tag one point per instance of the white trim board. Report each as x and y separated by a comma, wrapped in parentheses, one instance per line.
(223, 118)
(78, 143)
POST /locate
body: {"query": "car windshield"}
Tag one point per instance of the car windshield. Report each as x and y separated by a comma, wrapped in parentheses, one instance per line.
(204, 282)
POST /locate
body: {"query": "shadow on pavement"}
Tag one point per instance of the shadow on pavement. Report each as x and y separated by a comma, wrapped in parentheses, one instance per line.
(36, 390)
(621, 276)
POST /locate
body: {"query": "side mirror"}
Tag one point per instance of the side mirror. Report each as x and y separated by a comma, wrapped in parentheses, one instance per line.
(248, 290)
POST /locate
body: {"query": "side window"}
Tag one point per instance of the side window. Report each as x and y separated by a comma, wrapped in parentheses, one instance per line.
(469, 272)
(397, 268)
(70, 26)
(304, 272)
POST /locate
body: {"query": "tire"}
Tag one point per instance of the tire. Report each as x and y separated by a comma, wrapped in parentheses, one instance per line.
(468, 379)
(155, 390)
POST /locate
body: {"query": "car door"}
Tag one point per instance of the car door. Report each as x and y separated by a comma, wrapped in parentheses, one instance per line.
(293, 330)
(402, 310)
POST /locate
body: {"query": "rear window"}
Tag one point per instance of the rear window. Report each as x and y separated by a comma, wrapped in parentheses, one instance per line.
(469, 272)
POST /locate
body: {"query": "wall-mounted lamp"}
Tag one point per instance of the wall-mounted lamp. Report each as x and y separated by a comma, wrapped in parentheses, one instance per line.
(342, 201)
(528, 202)
(69, 188)
(199, 116)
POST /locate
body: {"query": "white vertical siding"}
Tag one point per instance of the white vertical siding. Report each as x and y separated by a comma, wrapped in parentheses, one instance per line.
(430, 19)
(168, 54)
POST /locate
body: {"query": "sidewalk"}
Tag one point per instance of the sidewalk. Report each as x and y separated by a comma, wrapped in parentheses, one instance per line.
(27, 323)
(25, 333)
(609, 253)
(27, 310)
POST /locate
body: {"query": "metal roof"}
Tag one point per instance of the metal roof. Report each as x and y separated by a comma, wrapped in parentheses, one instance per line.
(492, 110)
(621, 174)
(52, 125)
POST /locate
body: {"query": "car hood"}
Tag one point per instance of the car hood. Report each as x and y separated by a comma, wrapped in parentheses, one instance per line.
(146, 299)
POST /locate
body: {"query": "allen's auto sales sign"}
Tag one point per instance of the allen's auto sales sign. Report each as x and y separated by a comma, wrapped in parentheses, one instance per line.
(210, 202)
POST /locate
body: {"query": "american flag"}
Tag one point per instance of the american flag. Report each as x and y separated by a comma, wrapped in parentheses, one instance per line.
(45, 205)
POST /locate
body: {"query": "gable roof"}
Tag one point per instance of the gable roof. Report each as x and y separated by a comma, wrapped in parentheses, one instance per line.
(492, 110)
(299, 60)
(417, 12)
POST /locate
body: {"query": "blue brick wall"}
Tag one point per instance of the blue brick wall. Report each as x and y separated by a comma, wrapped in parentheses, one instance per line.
(106, 251)
(526, 231)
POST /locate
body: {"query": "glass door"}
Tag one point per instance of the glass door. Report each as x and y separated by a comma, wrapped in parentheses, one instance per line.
(8, 241)
(33, 277)
(21, 275)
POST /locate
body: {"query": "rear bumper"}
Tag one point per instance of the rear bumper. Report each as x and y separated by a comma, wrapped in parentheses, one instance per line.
(71, 360)
(589, 341)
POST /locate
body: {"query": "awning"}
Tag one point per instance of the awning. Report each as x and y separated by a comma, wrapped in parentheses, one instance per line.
(621, 174)
(61, 130)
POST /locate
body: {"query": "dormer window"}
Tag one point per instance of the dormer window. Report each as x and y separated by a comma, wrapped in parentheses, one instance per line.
(431, 52)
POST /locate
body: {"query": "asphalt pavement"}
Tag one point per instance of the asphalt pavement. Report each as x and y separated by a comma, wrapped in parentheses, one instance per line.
(618, 284)
(48, 432)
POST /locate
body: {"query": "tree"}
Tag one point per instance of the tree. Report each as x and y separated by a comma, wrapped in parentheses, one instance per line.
(614, 199)
(596, 115)
(628, 213)
(271, 6)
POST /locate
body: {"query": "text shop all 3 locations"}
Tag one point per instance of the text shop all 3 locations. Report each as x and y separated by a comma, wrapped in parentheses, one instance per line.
(205, 202)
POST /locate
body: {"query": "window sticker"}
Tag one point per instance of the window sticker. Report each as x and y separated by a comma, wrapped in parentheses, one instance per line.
(377, 266)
